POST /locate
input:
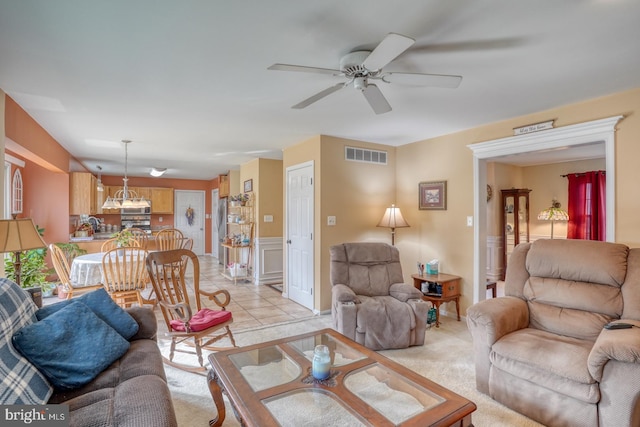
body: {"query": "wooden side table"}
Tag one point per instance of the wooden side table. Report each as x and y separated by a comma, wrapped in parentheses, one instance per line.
(450, 291)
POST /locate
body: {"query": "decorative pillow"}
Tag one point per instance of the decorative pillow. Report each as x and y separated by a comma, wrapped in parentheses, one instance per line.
(104, 307)
(20, 382)
(71, 346)
(202, 320)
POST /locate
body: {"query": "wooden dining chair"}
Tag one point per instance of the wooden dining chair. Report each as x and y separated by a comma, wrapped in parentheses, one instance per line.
(140, 236)
(61, 266)
(187, 243)
(188, 322)
(125, 275)
(168, 239)
(113, 244)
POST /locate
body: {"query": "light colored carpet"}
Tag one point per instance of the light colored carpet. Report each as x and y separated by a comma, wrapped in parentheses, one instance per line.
(446, 358)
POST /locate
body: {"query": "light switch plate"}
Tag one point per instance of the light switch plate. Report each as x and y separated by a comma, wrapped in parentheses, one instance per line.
(469, 221)
(268, 218)
(331, 220)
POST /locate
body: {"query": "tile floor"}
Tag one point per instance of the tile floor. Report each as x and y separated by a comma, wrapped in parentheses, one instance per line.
(251, 305)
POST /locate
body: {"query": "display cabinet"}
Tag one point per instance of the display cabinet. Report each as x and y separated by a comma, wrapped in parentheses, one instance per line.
(515, 221)
(238, 244)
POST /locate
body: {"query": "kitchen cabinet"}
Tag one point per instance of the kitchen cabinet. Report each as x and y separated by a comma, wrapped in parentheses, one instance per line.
(82, 193)
(161, 200)
(515, 221)
(223, 186)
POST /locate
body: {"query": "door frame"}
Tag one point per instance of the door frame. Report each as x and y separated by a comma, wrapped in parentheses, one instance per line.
(214, 226)
(593, 132)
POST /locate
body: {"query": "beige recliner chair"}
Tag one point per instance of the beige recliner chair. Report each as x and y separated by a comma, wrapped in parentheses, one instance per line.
(542, 349)
(371, 304)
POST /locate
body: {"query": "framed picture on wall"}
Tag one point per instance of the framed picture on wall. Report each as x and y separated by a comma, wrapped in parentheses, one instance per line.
(248, 185)
(432, 195)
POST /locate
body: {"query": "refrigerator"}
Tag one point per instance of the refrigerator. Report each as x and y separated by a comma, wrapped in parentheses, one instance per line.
(221, 224)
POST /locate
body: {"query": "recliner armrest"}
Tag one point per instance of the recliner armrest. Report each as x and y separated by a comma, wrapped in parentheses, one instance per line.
(343, 293)
(403, 292)
(622, 345)
(490, 320)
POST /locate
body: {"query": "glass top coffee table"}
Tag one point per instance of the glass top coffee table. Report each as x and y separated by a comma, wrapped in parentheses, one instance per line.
(270, 384)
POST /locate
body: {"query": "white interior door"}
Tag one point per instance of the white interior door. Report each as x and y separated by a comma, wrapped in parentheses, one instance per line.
(194, 199)
(300, 234)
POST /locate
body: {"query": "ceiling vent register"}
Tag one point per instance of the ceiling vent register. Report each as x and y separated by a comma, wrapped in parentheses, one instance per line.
(364, 155)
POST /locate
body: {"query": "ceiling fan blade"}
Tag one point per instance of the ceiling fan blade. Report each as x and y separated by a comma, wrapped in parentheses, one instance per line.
(301, 68)
(376, 99)
(421, 79)
(318, 96)
(388, 50)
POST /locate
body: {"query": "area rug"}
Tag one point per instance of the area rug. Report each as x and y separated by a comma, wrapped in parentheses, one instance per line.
(446, 358)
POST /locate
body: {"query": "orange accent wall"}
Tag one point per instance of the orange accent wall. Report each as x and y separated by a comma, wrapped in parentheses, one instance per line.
(33, 142)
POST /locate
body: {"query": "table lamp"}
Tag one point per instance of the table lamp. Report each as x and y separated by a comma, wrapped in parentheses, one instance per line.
(553, 213)
(393, 219)
(17, 235)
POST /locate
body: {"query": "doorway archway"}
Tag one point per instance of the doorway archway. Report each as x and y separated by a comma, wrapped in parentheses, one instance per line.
(594, 132)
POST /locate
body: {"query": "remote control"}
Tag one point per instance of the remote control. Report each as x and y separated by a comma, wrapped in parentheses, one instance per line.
(618, 326)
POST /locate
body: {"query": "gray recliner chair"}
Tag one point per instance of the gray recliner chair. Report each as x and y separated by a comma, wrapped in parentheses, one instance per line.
(371, 304)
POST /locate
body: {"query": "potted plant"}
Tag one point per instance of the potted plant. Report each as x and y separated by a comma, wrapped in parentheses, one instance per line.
(239, 199)
(124, 237)
(33, 270)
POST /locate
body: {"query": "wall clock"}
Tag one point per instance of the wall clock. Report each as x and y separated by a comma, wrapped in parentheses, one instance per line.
(489, 192)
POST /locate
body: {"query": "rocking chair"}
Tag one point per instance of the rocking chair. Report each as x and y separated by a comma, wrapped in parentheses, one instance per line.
(204, 326)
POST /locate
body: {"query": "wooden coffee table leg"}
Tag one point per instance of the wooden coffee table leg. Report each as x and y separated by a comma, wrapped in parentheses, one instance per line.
(458, 307)
(216, 394)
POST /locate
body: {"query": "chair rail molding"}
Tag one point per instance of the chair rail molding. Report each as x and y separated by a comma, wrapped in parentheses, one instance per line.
(595, 131)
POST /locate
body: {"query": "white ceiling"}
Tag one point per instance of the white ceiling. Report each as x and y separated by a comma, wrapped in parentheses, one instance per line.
(187, 80)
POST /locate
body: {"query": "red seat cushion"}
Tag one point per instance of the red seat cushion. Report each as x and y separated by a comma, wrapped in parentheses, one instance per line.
(202, 320)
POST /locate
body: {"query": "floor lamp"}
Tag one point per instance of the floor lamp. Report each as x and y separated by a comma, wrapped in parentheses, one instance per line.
(17, 235)
(553, 214)
(393, 219)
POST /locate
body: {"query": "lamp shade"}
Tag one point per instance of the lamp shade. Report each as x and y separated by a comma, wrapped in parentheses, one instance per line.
(18, 235)
(392, 218)
(553, 214)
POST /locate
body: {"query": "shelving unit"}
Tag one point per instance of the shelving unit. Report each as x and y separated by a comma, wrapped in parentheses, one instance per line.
(238, 244)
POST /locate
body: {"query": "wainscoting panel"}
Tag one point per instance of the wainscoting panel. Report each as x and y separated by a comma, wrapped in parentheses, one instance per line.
(268, 260)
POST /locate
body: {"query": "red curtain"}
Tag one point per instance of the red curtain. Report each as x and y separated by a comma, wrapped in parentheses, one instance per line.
(587, 206)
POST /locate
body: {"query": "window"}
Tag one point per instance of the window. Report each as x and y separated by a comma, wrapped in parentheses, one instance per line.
(16, 192)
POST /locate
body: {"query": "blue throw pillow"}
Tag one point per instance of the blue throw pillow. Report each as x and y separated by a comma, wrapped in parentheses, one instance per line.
(70, 347)
(104, 307)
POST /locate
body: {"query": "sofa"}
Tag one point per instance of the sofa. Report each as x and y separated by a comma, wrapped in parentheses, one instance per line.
(543, 349)
(371, 304)
(60, 354)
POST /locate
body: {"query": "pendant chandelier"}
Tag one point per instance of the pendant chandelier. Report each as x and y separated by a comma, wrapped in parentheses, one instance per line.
(125, 198)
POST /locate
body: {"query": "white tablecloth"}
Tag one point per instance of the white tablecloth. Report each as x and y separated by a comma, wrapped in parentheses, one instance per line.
(86, 270)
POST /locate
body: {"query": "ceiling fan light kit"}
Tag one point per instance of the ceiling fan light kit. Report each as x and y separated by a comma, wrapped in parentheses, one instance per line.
(362, 65)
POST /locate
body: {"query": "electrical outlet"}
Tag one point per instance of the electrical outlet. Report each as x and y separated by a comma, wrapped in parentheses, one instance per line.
(160, 219)
(331, 220)
(469, 221)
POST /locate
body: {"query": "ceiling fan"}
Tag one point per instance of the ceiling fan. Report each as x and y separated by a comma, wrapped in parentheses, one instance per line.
(362, 66)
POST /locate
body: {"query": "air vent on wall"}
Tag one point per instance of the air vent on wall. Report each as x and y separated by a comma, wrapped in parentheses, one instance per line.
(364, 155)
